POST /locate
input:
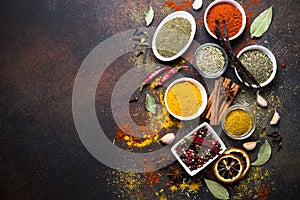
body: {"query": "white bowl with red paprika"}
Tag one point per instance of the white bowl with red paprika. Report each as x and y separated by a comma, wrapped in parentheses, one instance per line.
(231, 12)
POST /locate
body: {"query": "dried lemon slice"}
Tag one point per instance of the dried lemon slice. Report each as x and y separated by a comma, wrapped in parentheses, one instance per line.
(228, 168)
(243, 156)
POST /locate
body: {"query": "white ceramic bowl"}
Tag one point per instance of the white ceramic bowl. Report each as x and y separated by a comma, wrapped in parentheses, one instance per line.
(220, 72)
(237, 5)
(202, 91)
(237, 107)
(183, 140)
(269, 54)
(183, 14)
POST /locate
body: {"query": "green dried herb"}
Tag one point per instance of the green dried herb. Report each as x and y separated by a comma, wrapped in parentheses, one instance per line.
(258, 64)
(173, 36)
(217, 189)
(261, 23)
(264, 154)
(150, 104)
(210, 60)
(149, 16)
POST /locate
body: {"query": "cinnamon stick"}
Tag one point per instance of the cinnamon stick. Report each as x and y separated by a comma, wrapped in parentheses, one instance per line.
(219, 99)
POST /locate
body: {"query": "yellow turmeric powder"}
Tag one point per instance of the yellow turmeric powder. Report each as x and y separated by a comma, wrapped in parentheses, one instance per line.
(184, 99)
(238, 122)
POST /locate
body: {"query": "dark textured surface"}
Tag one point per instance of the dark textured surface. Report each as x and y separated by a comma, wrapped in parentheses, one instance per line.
(42, 45)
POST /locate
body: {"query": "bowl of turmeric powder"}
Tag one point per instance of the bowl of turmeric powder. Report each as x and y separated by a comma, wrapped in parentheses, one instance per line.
(229, 11)
(185, 98)
(238, 122)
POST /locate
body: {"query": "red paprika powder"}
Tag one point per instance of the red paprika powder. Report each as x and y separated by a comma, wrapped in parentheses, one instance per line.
(227, 12)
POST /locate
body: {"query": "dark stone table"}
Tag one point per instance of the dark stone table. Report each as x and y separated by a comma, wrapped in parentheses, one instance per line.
(43, 46)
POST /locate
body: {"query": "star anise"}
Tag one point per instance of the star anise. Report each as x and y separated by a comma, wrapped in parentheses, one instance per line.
(175, 172)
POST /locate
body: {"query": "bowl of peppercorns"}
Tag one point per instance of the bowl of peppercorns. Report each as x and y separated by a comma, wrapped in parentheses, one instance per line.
(198, 148)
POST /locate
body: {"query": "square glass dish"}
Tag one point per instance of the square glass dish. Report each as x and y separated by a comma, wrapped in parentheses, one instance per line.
(198, 149)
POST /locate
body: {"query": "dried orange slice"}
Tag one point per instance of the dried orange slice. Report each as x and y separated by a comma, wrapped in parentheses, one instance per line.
(243, 156)
(228, 168)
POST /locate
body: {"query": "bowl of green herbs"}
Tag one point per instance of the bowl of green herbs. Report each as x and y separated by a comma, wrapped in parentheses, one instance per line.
(173, 36)
(260, 62)
(210, 60)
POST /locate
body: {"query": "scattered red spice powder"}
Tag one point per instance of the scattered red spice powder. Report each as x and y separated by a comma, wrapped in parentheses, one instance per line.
(152, 177)
(264, 192)
(255, 2)
(249, 15)
(186, 4)
(227, 12)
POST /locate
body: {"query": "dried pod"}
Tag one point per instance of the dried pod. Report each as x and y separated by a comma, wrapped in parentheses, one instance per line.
(250, 145)
(275, 118)
(261, 101)
(197, 4)
(168, 138)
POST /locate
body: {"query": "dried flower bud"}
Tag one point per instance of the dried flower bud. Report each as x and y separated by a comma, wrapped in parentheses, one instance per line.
(197, 4)
(168, 138)
(275, 118)
(250, 145)
(261, 101)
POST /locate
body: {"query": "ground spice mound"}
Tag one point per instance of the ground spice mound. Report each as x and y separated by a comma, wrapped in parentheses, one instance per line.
(184, 99)
(227, 12)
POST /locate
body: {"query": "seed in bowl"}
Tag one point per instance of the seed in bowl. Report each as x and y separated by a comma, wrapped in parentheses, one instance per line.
(198, 148)
(210, 60)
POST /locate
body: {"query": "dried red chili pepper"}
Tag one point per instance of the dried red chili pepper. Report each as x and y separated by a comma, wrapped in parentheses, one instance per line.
(169, 74)
(205, 143)
(154, 74)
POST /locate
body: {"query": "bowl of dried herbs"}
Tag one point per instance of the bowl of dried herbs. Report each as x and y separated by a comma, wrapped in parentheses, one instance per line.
(173, 36)
(260, 62)
(210, 60)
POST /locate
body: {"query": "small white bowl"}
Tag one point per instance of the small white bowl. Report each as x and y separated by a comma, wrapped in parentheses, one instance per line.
(237, 5)
(183, 140)
(203, 94)
(182, 14)
(224, 67)
(269, 54)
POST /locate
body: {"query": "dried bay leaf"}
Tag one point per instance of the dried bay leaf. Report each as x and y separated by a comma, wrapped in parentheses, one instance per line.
(217, 189)
(261, 23)
(264, 154)
(149, 16)
(150, 104)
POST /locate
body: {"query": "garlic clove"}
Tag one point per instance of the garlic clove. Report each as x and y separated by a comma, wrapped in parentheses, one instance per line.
(197, 4)
(168, 138)
(261, 101)
(250, 145)
(275, 118)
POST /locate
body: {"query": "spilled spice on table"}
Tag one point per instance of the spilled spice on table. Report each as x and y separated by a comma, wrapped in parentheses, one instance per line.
(256, 180)
(125, 185)
(185, 5)
(247, 41)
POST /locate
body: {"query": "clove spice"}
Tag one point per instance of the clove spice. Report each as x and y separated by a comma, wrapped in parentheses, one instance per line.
(276, 139)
